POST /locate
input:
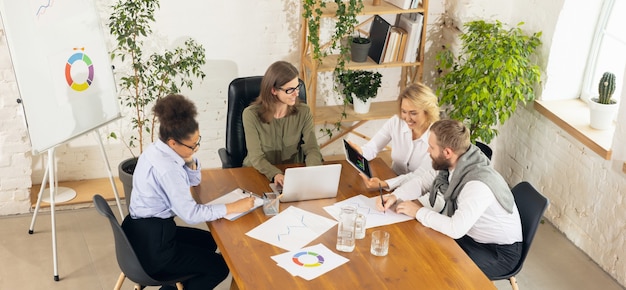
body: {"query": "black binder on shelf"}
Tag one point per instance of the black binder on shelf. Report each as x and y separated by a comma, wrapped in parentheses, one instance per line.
(379, 32)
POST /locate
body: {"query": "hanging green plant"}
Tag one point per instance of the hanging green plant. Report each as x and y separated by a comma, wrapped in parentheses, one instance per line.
(346, 19)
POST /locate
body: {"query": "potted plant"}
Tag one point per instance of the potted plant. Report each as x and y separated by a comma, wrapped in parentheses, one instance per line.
(603, 108)
(146, 77)
(493, 72)
(359, 87)
(359, 48)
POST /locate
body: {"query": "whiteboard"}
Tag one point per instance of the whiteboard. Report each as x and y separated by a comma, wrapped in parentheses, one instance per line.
(62, 67)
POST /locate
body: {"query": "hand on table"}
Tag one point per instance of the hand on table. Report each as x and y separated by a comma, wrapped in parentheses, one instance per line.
(279, 179)
(409, 208)
(372, 183)
(389, 200)
(241, 205)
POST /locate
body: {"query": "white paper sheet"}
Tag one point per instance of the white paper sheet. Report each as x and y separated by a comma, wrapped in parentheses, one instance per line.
(367, 206)
(310, 262)
(292, 229)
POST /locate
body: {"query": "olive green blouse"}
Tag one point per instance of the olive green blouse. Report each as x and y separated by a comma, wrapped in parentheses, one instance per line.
(281, 141)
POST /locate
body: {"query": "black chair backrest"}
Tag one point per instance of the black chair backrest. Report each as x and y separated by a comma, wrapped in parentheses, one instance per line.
(531, 205)
(484, 148)
(126, 257)
(241, 92)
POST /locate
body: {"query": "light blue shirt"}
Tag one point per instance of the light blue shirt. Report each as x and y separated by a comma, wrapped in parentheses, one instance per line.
(161, 188)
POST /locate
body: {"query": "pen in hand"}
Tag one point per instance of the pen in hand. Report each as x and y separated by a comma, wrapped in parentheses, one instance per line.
(380, 188)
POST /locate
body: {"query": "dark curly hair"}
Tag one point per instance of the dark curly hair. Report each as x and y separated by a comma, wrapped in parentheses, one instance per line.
(177, 117)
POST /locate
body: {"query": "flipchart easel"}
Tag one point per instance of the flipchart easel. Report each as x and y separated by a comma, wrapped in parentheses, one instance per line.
(63, 73)
(50, 178)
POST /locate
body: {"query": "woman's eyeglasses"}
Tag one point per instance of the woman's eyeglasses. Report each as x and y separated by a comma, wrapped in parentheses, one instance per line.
(190, 147)
(290, 90)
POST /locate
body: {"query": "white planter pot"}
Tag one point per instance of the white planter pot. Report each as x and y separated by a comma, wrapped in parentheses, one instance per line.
(361, 107)
(601, 115)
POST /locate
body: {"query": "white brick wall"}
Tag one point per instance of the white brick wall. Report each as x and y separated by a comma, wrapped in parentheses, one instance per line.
(15, 159)
(586, 192)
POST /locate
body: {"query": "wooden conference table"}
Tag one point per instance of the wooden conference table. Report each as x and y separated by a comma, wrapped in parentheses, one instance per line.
(419, 257)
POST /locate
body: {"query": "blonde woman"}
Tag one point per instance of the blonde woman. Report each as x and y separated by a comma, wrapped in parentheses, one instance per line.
(407, 133)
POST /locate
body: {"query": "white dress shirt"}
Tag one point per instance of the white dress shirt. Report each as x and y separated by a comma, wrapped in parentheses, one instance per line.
(161, 188)
(410, 158)
(478, 215)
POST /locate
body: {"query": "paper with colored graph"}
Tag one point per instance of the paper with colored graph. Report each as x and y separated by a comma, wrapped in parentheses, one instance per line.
(310, 262)
(292, 229)
(367, 206)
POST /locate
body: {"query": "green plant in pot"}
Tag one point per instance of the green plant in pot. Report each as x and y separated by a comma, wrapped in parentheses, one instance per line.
(493, 72)
(603, 108)
(359, 87)
(359, 48)
(146, 77)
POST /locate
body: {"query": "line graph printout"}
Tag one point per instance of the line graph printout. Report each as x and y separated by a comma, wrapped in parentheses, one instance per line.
(367, 206)
(292, 229)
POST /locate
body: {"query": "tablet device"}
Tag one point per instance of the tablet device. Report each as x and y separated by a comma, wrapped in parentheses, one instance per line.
(356, 159)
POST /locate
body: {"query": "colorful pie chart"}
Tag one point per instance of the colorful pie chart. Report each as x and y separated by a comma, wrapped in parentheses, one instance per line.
(79, 56)
(319, 258)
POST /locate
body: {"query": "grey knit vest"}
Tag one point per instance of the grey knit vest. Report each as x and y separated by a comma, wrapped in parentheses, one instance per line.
(472, 165)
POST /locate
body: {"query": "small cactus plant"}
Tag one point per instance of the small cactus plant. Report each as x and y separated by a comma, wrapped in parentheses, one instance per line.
(606, 87)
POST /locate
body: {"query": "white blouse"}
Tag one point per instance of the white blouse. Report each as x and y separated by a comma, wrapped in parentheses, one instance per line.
(410, 158)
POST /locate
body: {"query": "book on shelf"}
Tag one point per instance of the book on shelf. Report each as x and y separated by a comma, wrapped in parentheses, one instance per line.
(379, 34)
(405, 4)
(402, 4)
(391, 45)
(414, 34)
(401, 45)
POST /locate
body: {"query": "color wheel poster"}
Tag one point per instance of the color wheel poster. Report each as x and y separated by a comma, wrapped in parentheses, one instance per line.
(310, 262)
(62, 67)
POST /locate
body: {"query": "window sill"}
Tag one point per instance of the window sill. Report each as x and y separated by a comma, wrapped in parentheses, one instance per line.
(573, 117)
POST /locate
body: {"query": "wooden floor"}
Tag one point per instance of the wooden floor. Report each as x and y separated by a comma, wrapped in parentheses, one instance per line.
(85, 189)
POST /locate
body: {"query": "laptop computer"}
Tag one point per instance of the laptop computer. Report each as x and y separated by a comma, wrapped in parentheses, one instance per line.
(310, 182)
(356, 159)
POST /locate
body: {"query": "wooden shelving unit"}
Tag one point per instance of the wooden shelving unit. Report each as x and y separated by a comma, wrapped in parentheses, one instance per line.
(310, 68)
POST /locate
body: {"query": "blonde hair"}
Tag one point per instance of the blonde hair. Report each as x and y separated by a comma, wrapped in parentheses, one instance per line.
(452, 134)
(422, 97)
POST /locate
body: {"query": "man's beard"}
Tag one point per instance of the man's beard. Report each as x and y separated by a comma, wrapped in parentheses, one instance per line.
(440, 163)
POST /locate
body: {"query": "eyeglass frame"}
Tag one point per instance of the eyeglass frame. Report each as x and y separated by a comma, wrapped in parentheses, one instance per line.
(290, 91)
(194, 147)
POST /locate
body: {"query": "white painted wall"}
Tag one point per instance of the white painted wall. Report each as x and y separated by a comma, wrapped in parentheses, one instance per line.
(242, 38)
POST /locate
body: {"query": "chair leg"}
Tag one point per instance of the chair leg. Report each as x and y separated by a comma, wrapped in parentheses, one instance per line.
(120, 281)
(513, 283)
(179, 286)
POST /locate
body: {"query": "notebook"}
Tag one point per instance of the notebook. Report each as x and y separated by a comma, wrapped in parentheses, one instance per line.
(236, 195)
(356, 159)
(310, 182)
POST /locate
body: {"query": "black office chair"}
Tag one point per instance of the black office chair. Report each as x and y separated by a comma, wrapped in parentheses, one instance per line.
(241, 92)
(126, 257)
(531, 205)
(484, 148)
